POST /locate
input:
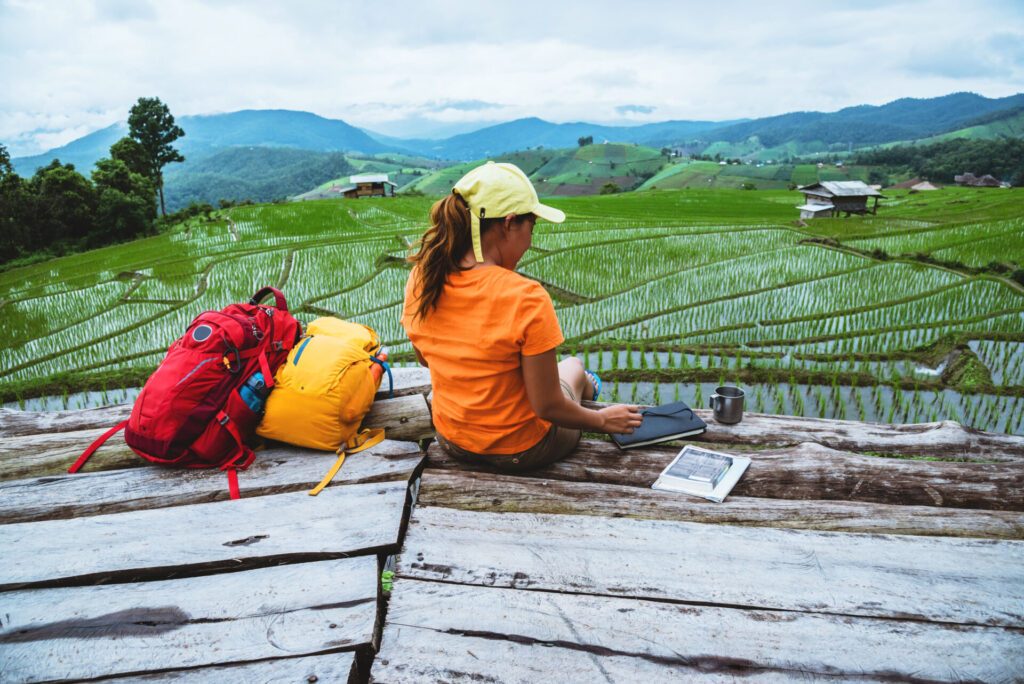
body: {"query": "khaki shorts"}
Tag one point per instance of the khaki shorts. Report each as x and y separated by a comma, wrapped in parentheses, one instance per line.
(553, 446)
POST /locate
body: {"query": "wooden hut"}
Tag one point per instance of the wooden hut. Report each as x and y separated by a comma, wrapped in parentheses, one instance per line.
(368, 185)
(830, 198)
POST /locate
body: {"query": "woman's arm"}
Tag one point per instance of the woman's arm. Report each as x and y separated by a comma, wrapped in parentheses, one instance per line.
(540, 374)
(419, 357)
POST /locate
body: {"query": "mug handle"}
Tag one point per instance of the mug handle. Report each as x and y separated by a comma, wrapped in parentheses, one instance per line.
(711, 402)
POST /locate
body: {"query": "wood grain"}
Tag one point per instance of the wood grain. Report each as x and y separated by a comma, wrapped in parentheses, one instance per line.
(276, 470)
(39, 454)
(14, 423)
(943, 439)
(528, 636)
(86, 632)
(154, 544)
(962, 581)
(333, 667)
(478, 491)
(806, 471)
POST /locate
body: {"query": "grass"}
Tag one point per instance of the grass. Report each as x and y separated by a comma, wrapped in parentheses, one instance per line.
(694, 284)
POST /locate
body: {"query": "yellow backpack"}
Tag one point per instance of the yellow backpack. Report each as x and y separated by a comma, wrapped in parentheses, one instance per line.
(324, 389)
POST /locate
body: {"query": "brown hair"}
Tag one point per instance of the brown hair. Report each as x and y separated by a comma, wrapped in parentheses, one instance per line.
(441, 249)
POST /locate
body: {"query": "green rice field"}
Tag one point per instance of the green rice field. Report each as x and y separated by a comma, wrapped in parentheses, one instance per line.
(908, 316)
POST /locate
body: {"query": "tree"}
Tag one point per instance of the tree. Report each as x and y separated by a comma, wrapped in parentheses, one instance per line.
(151, 124)
(126, 201)
(129, 150)
(583, 141)
(64, 206)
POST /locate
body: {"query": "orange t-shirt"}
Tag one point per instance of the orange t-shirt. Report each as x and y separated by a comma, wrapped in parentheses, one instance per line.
(485, 320)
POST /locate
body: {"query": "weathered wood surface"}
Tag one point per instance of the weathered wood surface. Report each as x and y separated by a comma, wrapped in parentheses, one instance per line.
(275, 471)
(14, 423)
(478, 491)
(944, 439)
(806, 471)
(529, 636)
(86, 632)
(151, 544)
(35, 455)
(333, 667)
(962, 581)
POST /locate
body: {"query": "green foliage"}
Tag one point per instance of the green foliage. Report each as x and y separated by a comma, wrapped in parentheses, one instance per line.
(941, 161)
(151, 124)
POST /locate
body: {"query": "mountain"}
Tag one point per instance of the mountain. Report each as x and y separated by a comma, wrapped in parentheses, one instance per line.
(904, 119)
(204, 135)
(533, 132)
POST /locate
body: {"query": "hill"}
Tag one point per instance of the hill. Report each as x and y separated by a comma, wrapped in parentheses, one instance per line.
(567, 171)
(204, 135)
(261, 174)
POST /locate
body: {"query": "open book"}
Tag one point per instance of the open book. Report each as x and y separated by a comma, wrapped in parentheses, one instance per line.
(702, 472)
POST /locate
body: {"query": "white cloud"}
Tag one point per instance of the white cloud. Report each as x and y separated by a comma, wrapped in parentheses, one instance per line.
(72, 67)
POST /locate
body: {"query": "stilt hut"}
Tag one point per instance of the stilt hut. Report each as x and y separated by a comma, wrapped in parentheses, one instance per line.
(830, 198)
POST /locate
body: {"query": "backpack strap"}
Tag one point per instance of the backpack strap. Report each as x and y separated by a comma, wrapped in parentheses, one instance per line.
(279, 301)
(77, 465)
(243, 458)
(364, 440)
(391, 379)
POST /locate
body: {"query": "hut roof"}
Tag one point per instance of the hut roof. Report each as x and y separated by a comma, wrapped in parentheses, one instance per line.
(842, 189)
(371, 178)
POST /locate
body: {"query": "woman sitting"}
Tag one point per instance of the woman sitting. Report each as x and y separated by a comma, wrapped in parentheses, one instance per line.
(489, 335)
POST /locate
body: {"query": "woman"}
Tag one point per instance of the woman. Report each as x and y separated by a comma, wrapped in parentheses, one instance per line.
(489, 335)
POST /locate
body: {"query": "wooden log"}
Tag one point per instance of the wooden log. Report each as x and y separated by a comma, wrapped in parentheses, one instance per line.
(455, 633)
(471, 491)
(275, 471)
(807, 471)
(333, 667)
(87, 632)
(944, 439)
(202, 538)
(962, 581)
(39, 454)
(14, 423)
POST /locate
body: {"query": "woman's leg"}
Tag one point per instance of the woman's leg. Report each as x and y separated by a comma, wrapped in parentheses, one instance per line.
(570, 374)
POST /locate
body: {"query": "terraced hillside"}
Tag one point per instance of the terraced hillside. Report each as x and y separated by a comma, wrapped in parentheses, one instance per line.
(907, 316)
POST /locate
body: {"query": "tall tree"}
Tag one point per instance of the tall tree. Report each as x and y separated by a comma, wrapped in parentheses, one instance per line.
(150, 123)
(129, 150)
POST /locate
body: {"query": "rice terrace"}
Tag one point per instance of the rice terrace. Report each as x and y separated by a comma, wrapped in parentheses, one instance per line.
(906, 316)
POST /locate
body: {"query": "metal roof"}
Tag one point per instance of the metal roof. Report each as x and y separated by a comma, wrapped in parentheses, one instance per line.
(370, 178)
(844, 188)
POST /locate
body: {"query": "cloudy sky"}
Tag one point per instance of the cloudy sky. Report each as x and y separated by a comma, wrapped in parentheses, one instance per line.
(68, 67)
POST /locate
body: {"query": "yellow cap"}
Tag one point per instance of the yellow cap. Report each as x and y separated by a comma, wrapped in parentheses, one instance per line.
(496, 190)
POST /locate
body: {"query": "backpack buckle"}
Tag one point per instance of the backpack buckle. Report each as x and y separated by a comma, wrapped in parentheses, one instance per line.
(278, 345)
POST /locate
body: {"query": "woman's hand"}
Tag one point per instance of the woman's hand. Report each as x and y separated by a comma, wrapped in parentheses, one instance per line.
(620, 419)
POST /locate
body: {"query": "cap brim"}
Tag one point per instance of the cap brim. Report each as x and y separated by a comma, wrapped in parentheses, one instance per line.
(549, 213)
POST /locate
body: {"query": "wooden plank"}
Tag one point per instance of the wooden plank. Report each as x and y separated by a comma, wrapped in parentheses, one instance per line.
(475, 491)
(14, 423)
(432, 634)
(946, 439)
(963, 581)
(153, 544)
(86, 632)
(807, 471)
(36, 455)
(334, 667)
(276, 470)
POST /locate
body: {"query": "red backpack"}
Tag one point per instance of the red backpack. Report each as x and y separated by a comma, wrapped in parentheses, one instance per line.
(190, 413)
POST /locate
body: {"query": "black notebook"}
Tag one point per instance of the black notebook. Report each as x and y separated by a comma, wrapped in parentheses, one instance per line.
(662, 424)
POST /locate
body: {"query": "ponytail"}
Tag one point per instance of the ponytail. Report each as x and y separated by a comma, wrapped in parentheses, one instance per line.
(440, 249)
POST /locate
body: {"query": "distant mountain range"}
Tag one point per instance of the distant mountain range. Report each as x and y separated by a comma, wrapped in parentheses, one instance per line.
(775, 137)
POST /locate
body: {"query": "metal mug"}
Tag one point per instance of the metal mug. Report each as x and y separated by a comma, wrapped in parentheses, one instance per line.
(727, 403)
